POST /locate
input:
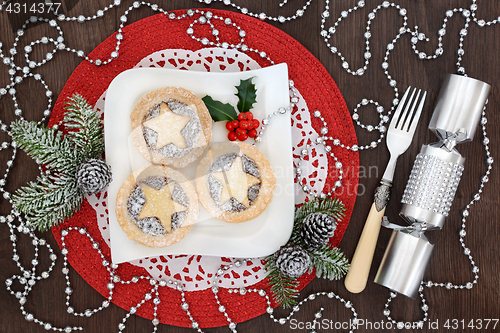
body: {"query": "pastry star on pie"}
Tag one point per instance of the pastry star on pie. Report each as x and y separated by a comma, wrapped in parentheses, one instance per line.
(157, 122)
(159, 204)
(235, 183)
(173, 122)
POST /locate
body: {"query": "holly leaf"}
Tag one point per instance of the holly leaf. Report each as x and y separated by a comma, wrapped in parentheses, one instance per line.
(247, 95)
(220, 111)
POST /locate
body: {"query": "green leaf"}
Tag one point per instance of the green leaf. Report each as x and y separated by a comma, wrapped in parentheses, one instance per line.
(247, 95)
(220, 111)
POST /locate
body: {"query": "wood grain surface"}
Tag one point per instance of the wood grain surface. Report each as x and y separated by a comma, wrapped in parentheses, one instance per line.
(447, 264)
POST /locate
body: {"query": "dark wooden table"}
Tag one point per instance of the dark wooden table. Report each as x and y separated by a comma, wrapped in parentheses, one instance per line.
(481, 61)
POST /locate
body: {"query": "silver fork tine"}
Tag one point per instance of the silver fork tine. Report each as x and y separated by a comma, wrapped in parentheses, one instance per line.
(408, 120)
(401, 119)
(398, 109)
(417, 115)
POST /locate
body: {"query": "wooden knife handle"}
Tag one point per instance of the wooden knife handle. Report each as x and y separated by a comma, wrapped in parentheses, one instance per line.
(356, 278)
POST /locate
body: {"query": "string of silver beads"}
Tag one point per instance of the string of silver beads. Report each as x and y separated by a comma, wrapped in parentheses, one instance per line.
(323, 139)
(263, 16)
(223, 269)
(68, 290)
(280, 111)
(312, 297)
(327, 34)
(114, 278)
(407, 325)
(29, 278)
(205, 18)
(9, 164)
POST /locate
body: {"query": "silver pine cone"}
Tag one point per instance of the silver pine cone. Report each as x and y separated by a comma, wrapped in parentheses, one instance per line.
(93, 175)
(316, 229)
(292, 260)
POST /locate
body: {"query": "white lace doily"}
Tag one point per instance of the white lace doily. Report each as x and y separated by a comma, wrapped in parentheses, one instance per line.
(197, 271)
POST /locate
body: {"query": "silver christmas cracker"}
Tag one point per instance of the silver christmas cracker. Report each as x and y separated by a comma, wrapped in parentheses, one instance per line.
(432, 184)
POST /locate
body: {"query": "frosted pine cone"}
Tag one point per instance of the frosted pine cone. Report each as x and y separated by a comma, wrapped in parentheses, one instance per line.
(292, 260)
(93, 175)
(317, 228)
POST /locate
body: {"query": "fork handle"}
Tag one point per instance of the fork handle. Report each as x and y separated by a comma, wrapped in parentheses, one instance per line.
(356, 278)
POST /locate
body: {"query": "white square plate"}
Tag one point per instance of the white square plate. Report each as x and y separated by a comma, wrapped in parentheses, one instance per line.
(256, 238)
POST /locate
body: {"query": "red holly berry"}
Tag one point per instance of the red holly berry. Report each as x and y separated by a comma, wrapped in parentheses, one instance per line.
(243, 127)
(244, 124)
(252, 133)
(230, 126)
(240, 132)
(232, 136)
(242, 116)
(243, 137)
(256, 123)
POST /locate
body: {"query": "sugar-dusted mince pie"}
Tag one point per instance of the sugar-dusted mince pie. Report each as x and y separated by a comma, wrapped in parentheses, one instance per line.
(171, 126)
(157, 206)
(235, 182)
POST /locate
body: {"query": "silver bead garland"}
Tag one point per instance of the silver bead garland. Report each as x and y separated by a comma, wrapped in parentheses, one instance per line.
(321, 140)
(18, 74)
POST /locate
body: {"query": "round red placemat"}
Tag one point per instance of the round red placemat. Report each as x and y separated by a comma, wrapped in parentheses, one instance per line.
(158, 33)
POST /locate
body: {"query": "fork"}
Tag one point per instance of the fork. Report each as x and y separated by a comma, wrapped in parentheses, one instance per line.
(399, 137)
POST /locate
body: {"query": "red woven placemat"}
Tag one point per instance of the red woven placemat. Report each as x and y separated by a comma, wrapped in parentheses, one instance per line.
(158, 33)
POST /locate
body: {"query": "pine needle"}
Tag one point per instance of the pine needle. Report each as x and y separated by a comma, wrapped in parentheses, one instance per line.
(45, 145)
(85, 127)
(55, 196)
(284, 289)
(329, 263)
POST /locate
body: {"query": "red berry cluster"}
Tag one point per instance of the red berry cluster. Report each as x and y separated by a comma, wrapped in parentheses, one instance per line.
(243, 128)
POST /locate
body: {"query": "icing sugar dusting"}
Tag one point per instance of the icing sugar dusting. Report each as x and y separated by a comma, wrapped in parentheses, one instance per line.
(191, 132)
(223, 163)
(156, 182)
(152, 225)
